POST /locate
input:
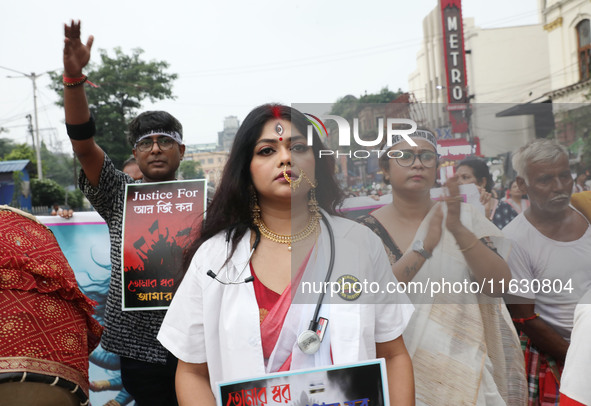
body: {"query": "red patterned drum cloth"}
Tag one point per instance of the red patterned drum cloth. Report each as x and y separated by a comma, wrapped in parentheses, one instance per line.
(46, 325)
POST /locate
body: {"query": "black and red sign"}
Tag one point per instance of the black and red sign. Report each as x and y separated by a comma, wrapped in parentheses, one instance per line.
(455, 64)
(160, 220)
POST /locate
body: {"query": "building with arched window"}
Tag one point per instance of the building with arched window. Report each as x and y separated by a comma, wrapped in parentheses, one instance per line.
(568, 27)
(522, 82)
(503, 66)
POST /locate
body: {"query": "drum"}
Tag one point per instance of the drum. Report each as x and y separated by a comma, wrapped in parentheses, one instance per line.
(46, 325)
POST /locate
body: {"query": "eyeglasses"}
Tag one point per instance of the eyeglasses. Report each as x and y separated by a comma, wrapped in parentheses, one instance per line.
(407, 158)
(164, 143)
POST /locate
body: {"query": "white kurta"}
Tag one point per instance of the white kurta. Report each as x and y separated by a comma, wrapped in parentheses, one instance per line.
(219, 324)
(577, 367)
(559, 272)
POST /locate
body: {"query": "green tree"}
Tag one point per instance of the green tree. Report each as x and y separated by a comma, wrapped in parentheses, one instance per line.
(349, 106)
(47, 192)
(75, 199)
(191, 170)
(23, 151)
(124, 82)
(6, 145)
(346, 107)
(384, 96)
(576, 120)
(58, 166)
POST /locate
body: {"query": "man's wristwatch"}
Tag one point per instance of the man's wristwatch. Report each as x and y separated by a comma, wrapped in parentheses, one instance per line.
(418, 247)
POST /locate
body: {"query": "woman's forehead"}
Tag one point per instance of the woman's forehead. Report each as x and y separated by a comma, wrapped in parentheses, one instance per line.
(465, 168)
(279, 129)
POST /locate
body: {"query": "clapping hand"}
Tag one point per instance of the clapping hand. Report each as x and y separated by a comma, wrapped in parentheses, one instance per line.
(434, 231)
(453, 201)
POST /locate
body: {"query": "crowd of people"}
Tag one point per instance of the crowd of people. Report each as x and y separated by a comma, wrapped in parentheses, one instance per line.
(273, 223)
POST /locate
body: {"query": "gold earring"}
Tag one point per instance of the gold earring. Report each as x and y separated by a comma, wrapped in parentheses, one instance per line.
(313, 204)
(256, 209)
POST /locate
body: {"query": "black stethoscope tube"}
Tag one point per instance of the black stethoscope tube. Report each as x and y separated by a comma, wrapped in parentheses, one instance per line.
(314, 321)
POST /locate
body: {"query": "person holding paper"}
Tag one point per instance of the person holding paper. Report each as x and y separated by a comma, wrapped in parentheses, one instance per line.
(271, 229)
(463, 345)
(147, 368)
(475, 171)
(510, 206)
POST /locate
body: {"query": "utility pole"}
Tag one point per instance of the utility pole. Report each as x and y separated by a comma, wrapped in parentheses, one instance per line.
(30, 128)
(33, 76)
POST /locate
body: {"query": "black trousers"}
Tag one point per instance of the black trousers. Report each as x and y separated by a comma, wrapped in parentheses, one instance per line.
(150, 384)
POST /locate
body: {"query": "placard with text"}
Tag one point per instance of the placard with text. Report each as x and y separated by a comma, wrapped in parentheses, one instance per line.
(159, 221)
(359, 384)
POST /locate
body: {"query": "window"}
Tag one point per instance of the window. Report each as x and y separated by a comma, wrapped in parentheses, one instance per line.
(377, 118)
(209, 160)
(584, 45)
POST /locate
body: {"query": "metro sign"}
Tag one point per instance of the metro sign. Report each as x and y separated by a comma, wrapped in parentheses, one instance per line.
(455, 61)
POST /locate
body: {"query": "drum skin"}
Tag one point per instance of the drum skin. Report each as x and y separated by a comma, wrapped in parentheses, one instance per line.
(46, 324)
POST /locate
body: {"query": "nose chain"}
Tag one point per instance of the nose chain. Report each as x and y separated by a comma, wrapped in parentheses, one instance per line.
(292, 183)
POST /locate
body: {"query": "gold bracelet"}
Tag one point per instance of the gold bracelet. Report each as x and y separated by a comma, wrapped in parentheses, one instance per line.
(470, 246)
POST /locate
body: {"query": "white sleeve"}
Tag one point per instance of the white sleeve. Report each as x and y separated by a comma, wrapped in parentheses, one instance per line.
(182, 331)
(393, 309)
(520, 266)
(577, 368)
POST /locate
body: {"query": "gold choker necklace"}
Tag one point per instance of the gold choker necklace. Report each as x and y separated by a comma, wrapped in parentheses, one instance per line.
(288, 239)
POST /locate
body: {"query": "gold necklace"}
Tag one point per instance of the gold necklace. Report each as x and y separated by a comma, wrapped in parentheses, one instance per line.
(288, 239)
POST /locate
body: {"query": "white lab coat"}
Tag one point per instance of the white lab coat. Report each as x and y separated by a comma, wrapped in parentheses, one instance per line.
(219, 324)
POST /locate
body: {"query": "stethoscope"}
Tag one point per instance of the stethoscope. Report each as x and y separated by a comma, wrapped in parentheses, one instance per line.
(309, 340)
(236, 281)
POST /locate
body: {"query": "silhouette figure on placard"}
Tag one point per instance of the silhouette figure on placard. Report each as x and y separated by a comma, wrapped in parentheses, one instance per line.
(162, 257)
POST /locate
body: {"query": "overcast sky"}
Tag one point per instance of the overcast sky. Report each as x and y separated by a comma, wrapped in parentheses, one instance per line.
(230, 55)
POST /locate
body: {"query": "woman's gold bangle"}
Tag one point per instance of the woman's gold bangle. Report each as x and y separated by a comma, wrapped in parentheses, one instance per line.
(470, 246)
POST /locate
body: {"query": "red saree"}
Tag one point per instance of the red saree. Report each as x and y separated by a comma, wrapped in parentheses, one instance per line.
(46, 325)
(277, 307)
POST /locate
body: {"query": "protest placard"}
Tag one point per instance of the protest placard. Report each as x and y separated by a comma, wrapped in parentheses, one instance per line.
(358, 384)
(158, 222)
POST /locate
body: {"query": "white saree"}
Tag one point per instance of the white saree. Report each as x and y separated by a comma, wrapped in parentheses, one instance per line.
(464, 347)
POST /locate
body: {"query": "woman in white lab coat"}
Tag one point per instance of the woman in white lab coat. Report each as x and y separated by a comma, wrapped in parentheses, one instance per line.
(251, 289)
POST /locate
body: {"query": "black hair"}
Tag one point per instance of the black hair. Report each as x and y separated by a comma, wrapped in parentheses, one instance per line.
(480, 171)
(229, 208)
(511, 182)
(152, 121)
(130, 160)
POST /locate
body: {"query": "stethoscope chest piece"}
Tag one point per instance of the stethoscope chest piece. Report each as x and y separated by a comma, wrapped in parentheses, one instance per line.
(309, 342)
